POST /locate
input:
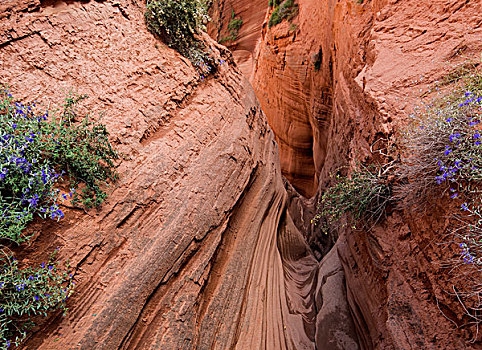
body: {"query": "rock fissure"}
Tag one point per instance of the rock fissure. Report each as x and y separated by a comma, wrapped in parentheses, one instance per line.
(331, 92)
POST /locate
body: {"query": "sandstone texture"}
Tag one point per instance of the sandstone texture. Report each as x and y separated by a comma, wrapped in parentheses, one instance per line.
(202, 243)
(253, 14)
(335, 83)
(195, 247)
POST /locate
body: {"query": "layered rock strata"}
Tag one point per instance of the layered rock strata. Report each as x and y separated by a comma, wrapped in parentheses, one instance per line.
(201, 243)
(335, 84)
(194, 248)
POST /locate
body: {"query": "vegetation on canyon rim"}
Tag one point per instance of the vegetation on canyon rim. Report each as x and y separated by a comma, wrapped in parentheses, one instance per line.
(178, 22)
(40, 156)
(286, 9)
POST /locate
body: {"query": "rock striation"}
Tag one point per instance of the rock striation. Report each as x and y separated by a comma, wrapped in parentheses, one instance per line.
(195, 247)
(335, 83)
(205, 241)
(253, 15)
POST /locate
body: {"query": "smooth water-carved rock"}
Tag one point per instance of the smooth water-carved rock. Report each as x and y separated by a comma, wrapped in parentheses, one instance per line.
(253, 15)
(335, 84)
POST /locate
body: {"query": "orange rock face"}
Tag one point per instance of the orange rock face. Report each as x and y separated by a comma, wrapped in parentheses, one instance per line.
(334, 84)
(202, 244)
(253, 14)
(293, 80)
(194, 247)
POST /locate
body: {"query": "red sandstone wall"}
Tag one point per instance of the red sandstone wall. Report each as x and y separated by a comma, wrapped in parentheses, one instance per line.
(377, 58)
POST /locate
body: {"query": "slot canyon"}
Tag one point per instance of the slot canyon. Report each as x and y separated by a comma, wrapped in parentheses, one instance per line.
(207, 240)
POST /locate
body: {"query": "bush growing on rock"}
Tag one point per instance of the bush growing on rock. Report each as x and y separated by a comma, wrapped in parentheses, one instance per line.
(439, 157)
(178, 22)
(26, 292)
(286, 10)
(233, 27)
(364, 194)
(442, 157)
(36, 152)
(443, 152)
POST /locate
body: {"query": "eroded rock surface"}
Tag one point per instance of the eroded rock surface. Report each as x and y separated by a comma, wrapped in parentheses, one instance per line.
(202, 244)
(253, 15)
(335, 84)
(194, 247)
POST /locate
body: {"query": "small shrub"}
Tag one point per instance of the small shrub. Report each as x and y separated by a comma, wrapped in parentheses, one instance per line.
(443, 148)
(233, 28)
(442, 157)
(274, 19)
(235, 23)
(26, 292)
(36, 150)
(177, 22)
(274, 3)
(442, 145)
(364, 194)
(83, 151)
(286, 10)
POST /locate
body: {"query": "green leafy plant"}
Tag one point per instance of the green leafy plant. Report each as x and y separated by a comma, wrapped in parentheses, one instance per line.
(364, 194)
(26, 292)
(286, 10)
(178, 22)
(38, 152)
(274, 3)
(233, 28)
(83, 151)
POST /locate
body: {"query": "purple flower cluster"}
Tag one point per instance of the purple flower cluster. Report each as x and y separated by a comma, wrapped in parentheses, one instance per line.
(204, 69)
(30, 291)
(470, 98)
(460, 162)
(27, 179)
(457, 159)
(466, 255)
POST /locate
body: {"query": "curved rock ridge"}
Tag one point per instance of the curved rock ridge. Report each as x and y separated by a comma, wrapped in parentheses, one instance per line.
(333, 90)
(194, 247)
